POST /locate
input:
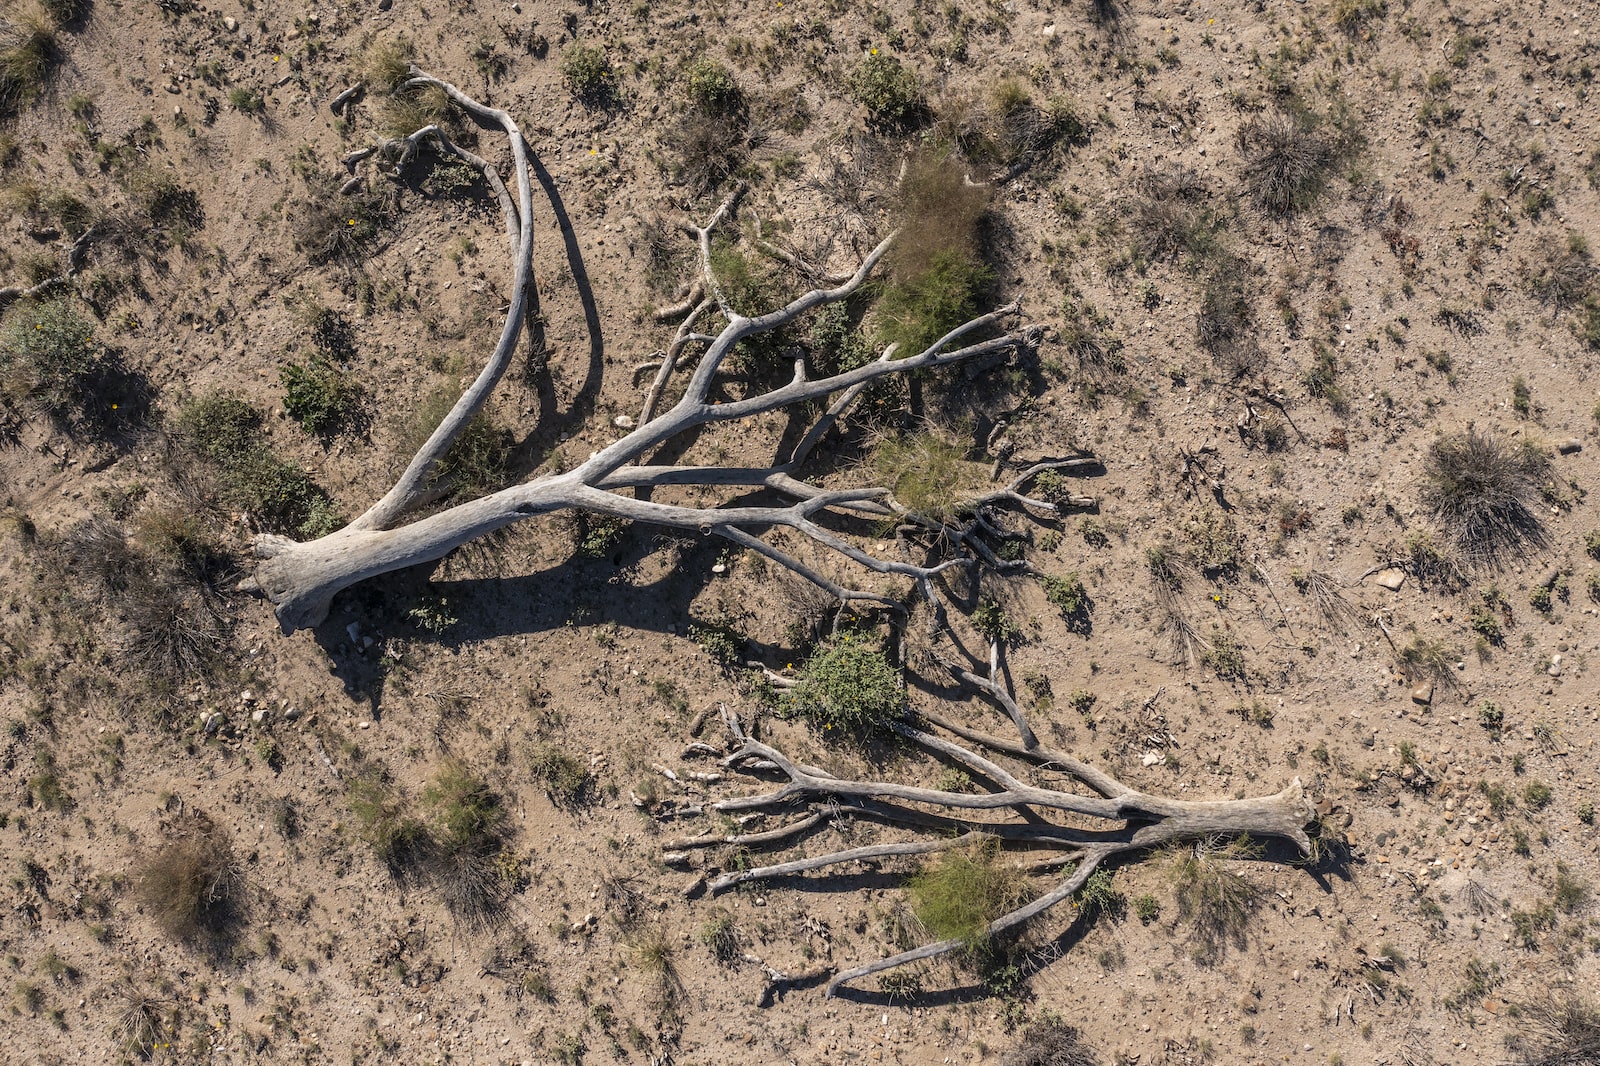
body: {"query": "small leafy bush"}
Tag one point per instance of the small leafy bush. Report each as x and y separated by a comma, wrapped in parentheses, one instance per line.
(990, 619)
(386, 822)
(48, 357)
(322, 398)
(468, 822)
(1099, 896)
(922, 309)
(564, 778)
(963, 891)
(712, 88)
(246, 101)
(849, 688)
(225, 430)
(1067, 595)
(588, 74)
(889, 92)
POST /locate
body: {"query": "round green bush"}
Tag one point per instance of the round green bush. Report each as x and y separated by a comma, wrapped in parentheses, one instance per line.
(849, 688)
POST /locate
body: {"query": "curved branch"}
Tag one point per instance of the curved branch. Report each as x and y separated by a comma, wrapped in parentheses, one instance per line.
(412, 484)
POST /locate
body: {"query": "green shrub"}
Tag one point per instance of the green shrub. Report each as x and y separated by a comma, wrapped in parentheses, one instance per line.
(464, 811)
(963, 891)
(888, 91)
(928, 476)
(48, 356)
(1491, 717)
(225, 430)
(468, 822)
(322, 398)
(849, 688)
(1067, 595)
(385, 821)
(246, 101)
(1536, 795)
(919, 311)
(1146, 908)
(1225, 656)
(721, 935)
(1099, 896)
(712, 88)
(990, 619)
(588, 74)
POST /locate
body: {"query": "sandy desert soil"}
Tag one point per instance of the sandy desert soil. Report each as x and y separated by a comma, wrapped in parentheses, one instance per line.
(1263, 385)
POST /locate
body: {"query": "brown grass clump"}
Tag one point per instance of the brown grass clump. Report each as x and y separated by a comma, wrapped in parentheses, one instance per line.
(28, 52)
(1050, 1043)
(1482, 491)
(1286, 162)
(192, 886)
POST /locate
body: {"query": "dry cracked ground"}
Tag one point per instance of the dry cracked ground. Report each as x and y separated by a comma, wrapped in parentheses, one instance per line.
(1313, 286)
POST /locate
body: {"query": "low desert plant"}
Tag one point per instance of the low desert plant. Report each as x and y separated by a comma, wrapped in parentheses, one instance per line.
(322, 398)
(889, 92)
(589, 74)
(1067, 595)
(1563, 1032)
(48, 357)
(385, 821)
(225, 431)
(476, 462)
(1286, 162)
(1225, 325)
(919, 310)
(1218, 901)
(564, 777)
(720, 934)
(28, 52)
(1050, 1042)
(1171, 216)
(929, 476)
(711, 87)
(957, 896)
(1482, 493)
(192, 885)
(849, 689)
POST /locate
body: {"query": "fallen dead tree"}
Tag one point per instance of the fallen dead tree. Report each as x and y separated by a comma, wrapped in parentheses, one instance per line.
(301, 578)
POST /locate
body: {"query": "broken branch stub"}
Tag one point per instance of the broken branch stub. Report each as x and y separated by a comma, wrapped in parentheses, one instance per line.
(301, 578)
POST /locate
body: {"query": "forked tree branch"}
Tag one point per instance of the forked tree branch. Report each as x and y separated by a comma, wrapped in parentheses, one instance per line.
(302, 578)
(1138, 821)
